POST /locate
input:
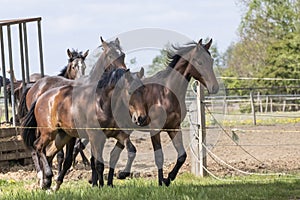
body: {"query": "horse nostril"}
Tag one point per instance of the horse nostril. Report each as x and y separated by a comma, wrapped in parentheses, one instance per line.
(141, 120)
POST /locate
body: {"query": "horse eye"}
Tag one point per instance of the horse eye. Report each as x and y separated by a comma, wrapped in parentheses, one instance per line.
(199, 62)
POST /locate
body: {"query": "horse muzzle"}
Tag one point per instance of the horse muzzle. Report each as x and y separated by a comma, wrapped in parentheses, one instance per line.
(138, 119)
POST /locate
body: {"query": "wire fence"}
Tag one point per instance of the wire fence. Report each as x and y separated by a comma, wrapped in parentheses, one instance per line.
(234, 117)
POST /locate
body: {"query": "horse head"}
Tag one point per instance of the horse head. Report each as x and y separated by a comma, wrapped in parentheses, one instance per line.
(114, 55)
(127, 96)
(76, 66)
(201, 66)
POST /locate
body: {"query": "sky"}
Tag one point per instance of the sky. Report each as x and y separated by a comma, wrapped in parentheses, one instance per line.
(78, 24)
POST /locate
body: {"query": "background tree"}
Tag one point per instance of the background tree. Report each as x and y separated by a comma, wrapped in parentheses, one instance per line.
(267, 43)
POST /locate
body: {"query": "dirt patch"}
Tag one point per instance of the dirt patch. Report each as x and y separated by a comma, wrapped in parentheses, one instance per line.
(264, 149)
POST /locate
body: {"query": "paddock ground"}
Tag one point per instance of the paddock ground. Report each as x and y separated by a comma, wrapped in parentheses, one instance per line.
(265, 149)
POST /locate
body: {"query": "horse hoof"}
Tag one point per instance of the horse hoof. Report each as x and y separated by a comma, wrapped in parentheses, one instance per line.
(123, 175)
(90, 180)
(58, 184)
(167, 181)
(94, 185)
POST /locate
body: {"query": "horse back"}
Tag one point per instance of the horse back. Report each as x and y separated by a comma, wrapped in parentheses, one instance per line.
(43, 85)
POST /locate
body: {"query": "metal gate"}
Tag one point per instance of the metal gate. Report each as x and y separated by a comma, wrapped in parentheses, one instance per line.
(7, 50)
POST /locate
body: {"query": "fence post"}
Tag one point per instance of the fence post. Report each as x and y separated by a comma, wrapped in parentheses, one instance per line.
(252, 107)
(201, 132)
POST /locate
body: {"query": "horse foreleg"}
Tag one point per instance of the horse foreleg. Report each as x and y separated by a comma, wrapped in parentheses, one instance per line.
(131, 150)
(99, 166)
(84, 158)
(94, 180)
(176, 138)
(97, 144)
(67, 162)
(114, 157)
(158, 155)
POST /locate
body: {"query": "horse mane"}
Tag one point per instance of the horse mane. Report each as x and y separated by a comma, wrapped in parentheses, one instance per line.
(75, 54)
(1, 81)
(110, 78)
(63, 71)
(176, 52)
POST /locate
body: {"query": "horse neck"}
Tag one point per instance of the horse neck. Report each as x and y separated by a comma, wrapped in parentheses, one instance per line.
(67, 75)
(178, 78)
(98, 69)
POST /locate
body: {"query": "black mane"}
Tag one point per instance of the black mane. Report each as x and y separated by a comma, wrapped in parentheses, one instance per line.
(63, 71)
(176, 52)
(110, 78)
(75, 54)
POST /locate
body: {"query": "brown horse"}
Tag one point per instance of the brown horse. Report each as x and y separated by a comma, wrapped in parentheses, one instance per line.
(74, 70)
(165, 100)
(112, 57)
(55, 116)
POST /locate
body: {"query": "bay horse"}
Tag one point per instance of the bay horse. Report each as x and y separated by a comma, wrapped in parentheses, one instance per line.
(55, 116)
(115, 57)
(165, 101)
(112, 57)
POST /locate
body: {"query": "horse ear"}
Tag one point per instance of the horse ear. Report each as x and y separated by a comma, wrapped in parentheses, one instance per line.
(69, 53)
(200, 42)
(104, 44)
(127, 74)
(86, 53)
(207, 46)
(140, 74)
(117, 41)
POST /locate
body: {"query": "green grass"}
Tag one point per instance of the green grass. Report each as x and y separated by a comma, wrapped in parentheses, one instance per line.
(186, 186)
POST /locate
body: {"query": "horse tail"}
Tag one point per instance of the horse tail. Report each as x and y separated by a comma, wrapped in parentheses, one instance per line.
(29, 125)
(22, 109)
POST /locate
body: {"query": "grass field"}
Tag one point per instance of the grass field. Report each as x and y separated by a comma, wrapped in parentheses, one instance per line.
(186, 186)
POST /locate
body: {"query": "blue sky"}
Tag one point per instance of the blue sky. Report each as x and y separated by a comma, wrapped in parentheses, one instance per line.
(79, 24)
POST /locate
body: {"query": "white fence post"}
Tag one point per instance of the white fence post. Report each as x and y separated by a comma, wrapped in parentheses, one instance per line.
(201, 132)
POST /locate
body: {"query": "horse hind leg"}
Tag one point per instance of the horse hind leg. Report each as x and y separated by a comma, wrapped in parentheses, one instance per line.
(41, 145)
(36, 162)
(131, 150)
(48, 174)
(67, 163)
(40, 161)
